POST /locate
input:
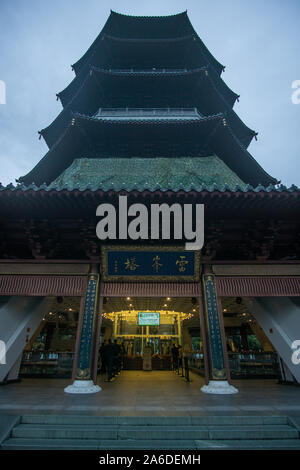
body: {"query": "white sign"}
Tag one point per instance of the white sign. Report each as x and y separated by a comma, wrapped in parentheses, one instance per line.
(296, 94)
(296, 353)
(2, 92)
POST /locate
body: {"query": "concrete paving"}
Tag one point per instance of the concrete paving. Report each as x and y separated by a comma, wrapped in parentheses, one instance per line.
(154, 393)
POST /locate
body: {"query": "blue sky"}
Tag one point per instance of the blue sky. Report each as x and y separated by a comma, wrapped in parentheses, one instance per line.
(258, 41)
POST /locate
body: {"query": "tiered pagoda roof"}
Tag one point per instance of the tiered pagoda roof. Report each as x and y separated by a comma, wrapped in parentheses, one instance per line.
(148, 29)
(149, 88)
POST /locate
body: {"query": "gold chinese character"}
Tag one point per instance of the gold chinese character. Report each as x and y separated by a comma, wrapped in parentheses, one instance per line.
(156, 265)
(182, 262)
(131, 264)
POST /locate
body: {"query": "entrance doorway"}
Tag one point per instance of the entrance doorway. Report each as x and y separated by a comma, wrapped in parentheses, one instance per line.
(49, 353)
(251, 353)
(159, 322)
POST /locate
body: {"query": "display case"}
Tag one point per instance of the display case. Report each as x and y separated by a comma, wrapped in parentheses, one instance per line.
(49, 364)
(253, 365)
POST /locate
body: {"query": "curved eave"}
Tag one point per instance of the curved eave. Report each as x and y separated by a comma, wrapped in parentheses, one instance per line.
(236, 156)
(101, 58)
(99, 138)
(172, 53)
(181, 24)
(218, 67)
(54, 188)
(114, 50)
(139, 27)
(78, 140)
(242, 132)
(61, 202)
(89, 99)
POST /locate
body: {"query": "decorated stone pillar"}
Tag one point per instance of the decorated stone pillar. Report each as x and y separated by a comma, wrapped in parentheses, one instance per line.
(83, 382)
(218, 373)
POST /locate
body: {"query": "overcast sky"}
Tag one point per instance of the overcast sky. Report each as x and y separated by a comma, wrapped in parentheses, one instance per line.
(257, 40)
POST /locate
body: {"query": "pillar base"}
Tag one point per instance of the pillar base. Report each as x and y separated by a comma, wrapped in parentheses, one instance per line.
(83, 386)
(219, 387)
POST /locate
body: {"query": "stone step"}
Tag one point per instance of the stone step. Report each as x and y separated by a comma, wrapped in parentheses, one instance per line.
(83, 444)
(108, 432)
(154, 420)
(62, 431)
(50, 444)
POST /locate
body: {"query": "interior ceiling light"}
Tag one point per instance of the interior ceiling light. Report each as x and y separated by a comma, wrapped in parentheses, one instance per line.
(133, 314)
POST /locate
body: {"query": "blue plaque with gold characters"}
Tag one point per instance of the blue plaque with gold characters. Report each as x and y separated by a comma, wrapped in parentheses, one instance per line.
(214, 329)
(156, 264)
(83, 370)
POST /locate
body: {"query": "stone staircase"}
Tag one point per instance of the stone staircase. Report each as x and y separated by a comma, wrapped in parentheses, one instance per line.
(121, 432)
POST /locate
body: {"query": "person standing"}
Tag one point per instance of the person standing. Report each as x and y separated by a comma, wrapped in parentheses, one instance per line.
(180, 359)
(102, 357)
(186, 359)
(108, 354)
(123, 354)
(117, 357)
(174, 352)
(147, 357)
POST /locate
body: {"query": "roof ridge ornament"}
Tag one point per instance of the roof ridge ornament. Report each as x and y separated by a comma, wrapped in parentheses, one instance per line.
(259, 188)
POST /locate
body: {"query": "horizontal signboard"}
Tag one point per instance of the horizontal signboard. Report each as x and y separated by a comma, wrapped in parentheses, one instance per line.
(150, 264)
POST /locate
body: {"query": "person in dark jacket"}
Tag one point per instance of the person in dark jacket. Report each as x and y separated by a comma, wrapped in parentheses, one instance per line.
(102, 357)
(117, 357)
(109, 355)
(174, 352)
(180, 358)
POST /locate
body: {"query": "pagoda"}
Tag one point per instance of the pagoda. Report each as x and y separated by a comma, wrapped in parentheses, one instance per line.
(148, 88)
(149, 115)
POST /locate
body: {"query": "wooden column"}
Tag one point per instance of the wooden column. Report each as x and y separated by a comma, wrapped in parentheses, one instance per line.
(79, 325)
(204, 341)
(219, 377)
(98, 332)
(86, 339)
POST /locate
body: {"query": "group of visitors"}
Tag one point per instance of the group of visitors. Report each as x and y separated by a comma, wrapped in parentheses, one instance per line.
(180, 359)
(111, 355)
